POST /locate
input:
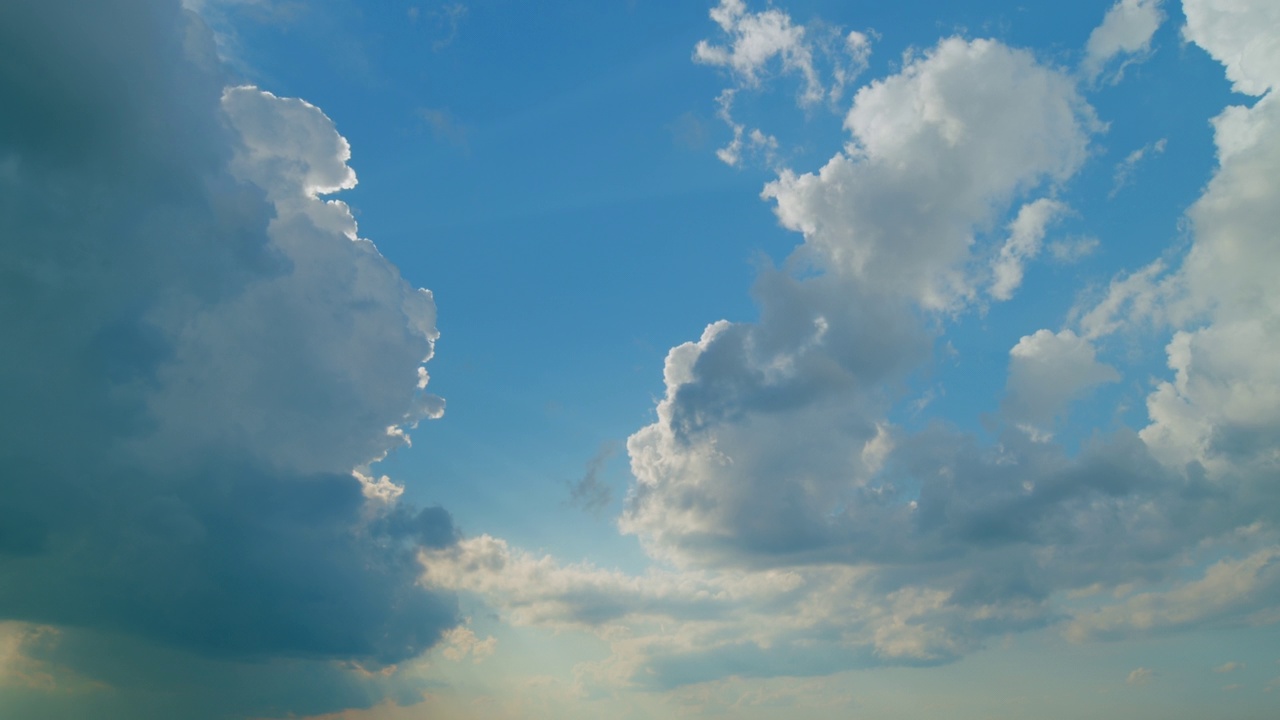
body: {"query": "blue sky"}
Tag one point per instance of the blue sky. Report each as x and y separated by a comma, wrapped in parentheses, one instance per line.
(866, 360)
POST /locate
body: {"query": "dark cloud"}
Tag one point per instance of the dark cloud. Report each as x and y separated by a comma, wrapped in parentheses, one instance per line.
(198, 353)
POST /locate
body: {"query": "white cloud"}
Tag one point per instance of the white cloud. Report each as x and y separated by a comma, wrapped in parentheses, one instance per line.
(759, 41)
(1139, 677)
(1125, 168)
(462, 642)
(1240, 34)
(1026, 237)
(1125, 32)
(1229, 667)
(1243, 591)
(758, 38)
(1222, 407)
(933, 149)
(1046, 371)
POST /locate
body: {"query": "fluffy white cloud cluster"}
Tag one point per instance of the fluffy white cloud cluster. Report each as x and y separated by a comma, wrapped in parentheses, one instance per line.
(199, 353)
(762, 436)
(803, 533)
(1222, 409)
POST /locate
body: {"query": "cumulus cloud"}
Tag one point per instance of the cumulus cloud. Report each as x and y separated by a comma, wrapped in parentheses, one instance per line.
(202, 353)
(1046, 370)
(1125, 33)
(772, 486)
(1240, 36)
(966, 127)
(1222, 406)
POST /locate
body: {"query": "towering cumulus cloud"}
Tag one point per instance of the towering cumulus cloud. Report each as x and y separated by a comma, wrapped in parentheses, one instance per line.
(200, 360)
(765, 439)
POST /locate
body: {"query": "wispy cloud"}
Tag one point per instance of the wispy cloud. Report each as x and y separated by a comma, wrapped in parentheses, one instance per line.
(1125, 168)
(590, 492)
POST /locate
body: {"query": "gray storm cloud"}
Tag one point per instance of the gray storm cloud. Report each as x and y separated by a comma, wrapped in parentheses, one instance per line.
(199, 351)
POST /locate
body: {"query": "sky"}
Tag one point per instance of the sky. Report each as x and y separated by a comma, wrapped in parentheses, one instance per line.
(502, 360)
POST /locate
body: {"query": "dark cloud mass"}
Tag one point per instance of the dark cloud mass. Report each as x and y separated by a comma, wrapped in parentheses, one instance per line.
(197, 353)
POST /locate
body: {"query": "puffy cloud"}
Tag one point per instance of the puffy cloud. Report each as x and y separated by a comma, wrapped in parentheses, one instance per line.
(1222, 407)
(1125, 32)
(1046, 370)
(1240, 35)
(759, 445)
(201, 351)
(461, 642)
(934, 150)
(801, 533)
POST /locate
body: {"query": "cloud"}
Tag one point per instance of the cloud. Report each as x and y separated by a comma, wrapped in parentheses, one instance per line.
(203, 351)
(758, 38)
(1222, 406)
(759, 41)
(800, 532)
(1046, 370)
(1026, 236)
(968, 126)
(1125, 33)
(1228, 667)
(589, 492)
(1072, 250)
(1139, 677)
(1125, 168)
(1238, 35)
(461, 642)
(1244, 591)
(446, 20)
(444, 126)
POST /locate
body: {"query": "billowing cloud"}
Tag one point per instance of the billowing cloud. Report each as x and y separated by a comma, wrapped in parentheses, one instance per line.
(1125, 33)
(201, 351)
(800, 532)
(760, 438)
(1222, 407)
